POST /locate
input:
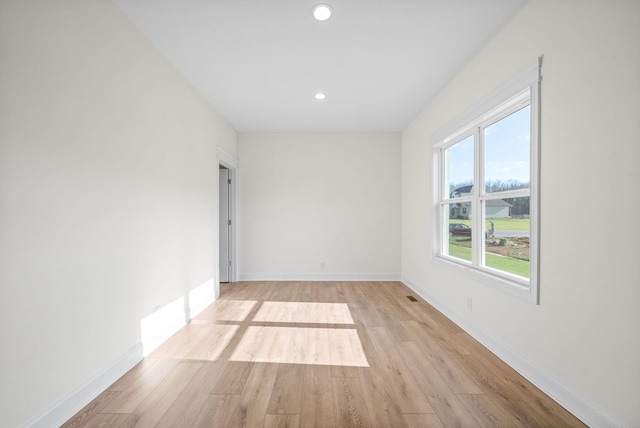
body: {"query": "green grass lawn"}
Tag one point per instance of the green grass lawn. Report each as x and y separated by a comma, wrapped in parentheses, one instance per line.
(507, 264)
(460, 252)
(501, 223)
(495, 261)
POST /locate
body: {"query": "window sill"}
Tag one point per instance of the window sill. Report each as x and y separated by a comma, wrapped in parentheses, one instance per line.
(514, 287)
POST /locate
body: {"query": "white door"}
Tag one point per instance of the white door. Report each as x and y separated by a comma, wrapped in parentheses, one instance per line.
(225, 225)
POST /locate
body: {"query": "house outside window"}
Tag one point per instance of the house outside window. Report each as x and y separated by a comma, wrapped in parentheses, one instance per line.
(486, 195)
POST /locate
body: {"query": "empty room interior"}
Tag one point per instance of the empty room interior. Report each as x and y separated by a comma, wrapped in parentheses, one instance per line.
(245, 213)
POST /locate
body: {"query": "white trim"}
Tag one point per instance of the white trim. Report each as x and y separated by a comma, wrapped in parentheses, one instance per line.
(527, 77)
(523, 89)
(490, 277)
(227, 159)
(68, 406)
(167, 319)
(199, 298)
(231, 163)
(319, 277)
(163, 323)
(582, 408)
(535, 185)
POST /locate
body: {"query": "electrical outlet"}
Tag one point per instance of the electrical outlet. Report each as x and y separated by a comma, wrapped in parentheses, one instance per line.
(469, 303)
(322, 265)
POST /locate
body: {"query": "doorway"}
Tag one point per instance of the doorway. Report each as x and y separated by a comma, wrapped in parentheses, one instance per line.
(227, 225)
(224, 230)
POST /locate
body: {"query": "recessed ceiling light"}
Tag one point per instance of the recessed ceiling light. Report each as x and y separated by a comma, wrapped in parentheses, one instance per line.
(320, 96)
(322, 12)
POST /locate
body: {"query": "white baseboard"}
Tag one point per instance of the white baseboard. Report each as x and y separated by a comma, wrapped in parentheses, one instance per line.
(200, 297)
(68, 406)
(586, 411)
(318, 277)
(155, 330)
(583, 409)
(167, 319)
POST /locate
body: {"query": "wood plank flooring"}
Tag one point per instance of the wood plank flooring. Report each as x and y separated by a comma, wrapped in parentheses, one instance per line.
(321, 354)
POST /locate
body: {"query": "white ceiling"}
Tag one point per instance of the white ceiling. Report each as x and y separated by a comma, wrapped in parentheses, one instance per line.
(260, 62)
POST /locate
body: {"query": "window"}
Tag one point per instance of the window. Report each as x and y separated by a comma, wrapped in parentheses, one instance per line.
(486, 193)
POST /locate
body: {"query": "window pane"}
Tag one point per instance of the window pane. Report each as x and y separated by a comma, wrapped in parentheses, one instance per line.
(507, 152)
(459, 168)
(507, 235)
(458, 228)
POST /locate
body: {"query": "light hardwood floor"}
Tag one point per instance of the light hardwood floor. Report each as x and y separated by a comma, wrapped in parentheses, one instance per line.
(322, 354)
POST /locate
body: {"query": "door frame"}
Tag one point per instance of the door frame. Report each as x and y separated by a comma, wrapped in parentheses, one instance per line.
(228, 161)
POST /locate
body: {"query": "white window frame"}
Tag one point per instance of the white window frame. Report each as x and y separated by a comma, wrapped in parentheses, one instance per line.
(522, 90)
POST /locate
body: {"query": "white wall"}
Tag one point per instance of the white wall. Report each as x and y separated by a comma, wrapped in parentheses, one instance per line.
(585, 334)
(108, 194)
(312, 198)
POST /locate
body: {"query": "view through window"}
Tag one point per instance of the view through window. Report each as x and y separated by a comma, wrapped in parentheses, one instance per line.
(487, 183)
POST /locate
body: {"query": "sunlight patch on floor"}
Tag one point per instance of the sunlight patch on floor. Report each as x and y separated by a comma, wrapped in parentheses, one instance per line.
(228, 310)
(295, 345)
(197, 342)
